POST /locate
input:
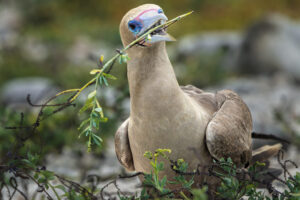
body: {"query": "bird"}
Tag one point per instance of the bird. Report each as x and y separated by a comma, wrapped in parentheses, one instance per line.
(198, 126)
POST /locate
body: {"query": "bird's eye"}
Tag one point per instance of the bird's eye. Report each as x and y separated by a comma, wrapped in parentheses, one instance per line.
(160, 11)
(134, 26)
(131, 26)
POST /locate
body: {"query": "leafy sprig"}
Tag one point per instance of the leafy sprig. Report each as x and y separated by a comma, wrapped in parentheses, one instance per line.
(153, 179)
(161, 184)
(91, 125)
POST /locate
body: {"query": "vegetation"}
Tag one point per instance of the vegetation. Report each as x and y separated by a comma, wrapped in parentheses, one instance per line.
(233, 186)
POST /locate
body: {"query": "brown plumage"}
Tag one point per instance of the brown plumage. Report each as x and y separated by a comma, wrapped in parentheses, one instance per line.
(196, 125)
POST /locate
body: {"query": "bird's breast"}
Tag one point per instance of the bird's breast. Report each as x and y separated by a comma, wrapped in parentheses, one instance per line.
(180, 129)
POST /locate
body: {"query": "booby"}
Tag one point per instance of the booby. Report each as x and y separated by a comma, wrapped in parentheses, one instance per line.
(196, 125)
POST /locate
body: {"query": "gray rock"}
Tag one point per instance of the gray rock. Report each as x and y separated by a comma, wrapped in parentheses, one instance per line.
(84, 50)
(107, 167)
(110, 95)
(14, 92)
(292, 154)
(211, 44)
(10, 22)
(77, 164)
(269, 45)
(66, 164)
(34, 49)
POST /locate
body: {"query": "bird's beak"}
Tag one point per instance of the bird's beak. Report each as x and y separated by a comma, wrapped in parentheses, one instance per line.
(149, 21)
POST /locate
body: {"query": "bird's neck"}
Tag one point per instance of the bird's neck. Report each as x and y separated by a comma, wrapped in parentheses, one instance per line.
(152, 81)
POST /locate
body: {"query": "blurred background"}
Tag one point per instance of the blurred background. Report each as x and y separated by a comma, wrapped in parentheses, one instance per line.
(249, 46)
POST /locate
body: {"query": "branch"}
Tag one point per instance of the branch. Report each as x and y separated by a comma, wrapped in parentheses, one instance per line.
(268, 137)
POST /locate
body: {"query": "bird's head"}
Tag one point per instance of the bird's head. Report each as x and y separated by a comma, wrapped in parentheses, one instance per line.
(139, 20)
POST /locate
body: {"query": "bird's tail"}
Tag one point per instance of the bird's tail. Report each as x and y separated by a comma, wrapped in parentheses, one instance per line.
(262, 154)
(265, 152)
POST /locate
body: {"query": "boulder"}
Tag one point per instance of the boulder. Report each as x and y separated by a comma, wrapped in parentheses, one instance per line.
(211, 44)
(10, 23)
(270, 45)
(14, 92)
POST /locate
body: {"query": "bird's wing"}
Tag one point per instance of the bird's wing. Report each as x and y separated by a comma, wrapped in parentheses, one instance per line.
(228, 133)
(122, 146)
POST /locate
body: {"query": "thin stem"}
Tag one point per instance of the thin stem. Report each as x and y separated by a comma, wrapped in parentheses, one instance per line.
(55, 192)
(107, 64)
(184, 196)
(89, 142)
(81, 89)
(67, 91)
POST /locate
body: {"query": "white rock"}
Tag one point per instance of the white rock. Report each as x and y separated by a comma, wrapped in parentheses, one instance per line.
(14, 92)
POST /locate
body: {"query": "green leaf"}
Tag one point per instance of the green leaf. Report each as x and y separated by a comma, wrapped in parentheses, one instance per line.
(296, 194)
(99, 110)
(86, 131)
(97, 139)
(163, 181)
(33, 158)
(100, 80)
(88, 104)
(42, 180)
(260, 163)
(61, 187)
(95, 123)
(148, 37)
(123, 58)
(109, 76)
(92, 94)
(189, 184)
(83, 124)
(227, 180)
(85, 107)
(96, 136)
(95, 71)
(162, 152)
(95, 115)
(105, 81)
(199, 194)
(153, 165)
(160, 166)
(120, 59)
(36, 176)
(28, 163)
(103, 119)
(229, 160)
(48, 174)
(148, 155)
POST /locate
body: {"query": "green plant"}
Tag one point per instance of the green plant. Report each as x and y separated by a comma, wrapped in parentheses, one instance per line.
(153, 179)
(233, 185)
(181, 166)
(293, 190)
(230, 186)
(155, 186)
